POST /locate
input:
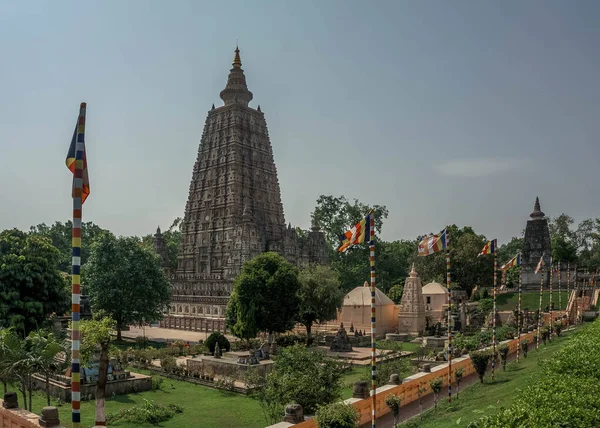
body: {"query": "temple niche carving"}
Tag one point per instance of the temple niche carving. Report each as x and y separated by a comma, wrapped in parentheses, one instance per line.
(233, 213)
(535, 244)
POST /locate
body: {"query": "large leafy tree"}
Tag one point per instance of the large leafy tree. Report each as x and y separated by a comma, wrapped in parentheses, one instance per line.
(126, 281)
(60, 235)
(320, 296)
(265, 297)
(564, 239)
(31, 286)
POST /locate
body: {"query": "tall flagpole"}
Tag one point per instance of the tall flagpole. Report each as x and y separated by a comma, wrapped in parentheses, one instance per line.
(559, 293)
(569, 292)
(494, 316)
(550, 304)
(373, 314)
(448, 280)
(541, 315)
(519, 320)
(75, 277)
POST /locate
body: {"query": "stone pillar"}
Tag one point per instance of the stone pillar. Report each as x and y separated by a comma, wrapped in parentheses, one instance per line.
(11, 400)
(49, 417)
(294, 414)
(360, 389)
(394, 379)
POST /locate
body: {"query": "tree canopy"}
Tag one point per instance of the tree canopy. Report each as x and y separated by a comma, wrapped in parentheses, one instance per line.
(31, 286)
(126, 281)
(320, 296)
(265, 297)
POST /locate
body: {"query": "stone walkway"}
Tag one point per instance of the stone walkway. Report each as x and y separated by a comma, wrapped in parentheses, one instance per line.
(159, 334)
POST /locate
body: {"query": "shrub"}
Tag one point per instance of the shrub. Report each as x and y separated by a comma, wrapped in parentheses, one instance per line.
(148, 413)
(480, 361)
(157, 383)
(337, 415)
(558, 327)
(458, 375)
(393, 402)
(476, 296)
(212, 340)
(169, 364)
(525, 347)
(436, 387)
(485, 293)
(141, 342)
(290, 339)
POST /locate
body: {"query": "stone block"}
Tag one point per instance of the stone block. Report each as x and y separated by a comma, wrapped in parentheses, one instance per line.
(49, 417)
(11, 400)
(294, 413)
(360, 389)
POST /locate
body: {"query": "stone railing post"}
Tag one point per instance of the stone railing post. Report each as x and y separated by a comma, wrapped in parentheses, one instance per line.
(294, 414)
(360, 389)
(49, 417)
(11, 400)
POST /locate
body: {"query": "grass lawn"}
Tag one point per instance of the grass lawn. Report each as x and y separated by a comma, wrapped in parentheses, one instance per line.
(348, 378)
(202, 407)
(485, 399)
(530, 299)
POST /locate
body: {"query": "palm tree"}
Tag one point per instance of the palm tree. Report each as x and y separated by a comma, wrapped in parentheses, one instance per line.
(8, 343)
(42, 352)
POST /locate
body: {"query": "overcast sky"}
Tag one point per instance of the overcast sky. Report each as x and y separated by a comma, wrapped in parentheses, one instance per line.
(444, 111)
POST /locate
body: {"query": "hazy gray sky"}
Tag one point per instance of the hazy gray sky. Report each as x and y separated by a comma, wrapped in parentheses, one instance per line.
(445, 111)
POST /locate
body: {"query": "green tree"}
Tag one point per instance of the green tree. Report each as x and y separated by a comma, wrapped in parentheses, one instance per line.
(564, 240)
(264, 298)
(42, 349)
(507, 251)
(395, 293)
(126, 281)
(60, 236)
(300, 375)
(31, 286)
(320, 296)
(96, 337)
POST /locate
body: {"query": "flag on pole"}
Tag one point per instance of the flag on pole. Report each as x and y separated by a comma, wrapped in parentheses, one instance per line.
(515, 261)
(489, 248)
(358, 234)
(540, 264)
(79, 136)
(433, 243)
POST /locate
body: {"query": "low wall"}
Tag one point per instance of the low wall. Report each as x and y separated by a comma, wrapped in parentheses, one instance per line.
(136, 383)
(411, 384)
(225, 367)
(17, 418)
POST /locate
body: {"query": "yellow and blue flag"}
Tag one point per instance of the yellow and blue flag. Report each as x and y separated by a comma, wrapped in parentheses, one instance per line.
(433, 244)
(358, 234)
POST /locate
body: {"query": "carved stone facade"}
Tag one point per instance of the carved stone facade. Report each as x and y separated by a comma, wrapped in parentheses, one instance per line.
(536, 242)
(233, 213)
(411, 317)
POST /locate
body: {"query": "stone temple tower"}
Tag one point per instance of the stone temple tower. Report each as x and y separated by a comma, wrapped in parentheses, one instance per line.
(411, 317)
(233, 213)
(536, 242)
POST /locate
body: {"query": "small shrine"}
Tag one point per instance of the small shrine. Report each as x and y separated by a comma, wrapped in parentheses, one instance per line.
(341, 342)
(411, 317)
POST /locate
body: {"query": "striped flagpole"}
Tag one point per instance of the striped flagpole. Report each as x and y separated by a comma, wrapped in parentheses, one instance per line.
(550, 304)
(494, 316)
(559, 292)
(519, 313)
(578, 307)
(569, 292)
(541, 314)
(373, 319)
(75, 277)
(448, 280)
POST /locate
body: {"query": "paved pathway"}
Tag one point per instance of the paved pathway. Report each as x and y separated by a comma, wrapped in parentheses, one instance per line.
(158, 334)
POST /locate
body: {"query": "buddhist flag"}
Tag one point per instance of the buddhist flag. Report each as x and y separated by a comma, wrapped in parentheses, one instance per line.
(357, 235)
(433, 244)
(515, 261)
(540, 264)
(489, 248)
(74, 154)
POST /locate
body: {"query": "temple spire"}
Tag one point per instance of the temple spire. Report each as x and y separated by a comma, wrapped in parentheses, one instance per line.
(236, 91)
(537, 211)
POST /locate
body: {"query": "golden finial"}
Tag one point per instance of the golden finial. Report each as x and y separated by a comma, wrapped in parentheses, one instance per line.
(237, 62)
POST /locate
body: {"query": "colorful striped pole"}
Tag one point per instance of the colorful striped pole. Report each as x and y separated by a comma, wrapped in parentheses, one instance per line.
(569, 292)
(550, 304)
(541, 314)
(559, 292)
(494, 317)
(448, 280)
(519, 313)
(373, 319)
(578, 305)
(75, 277)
